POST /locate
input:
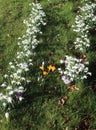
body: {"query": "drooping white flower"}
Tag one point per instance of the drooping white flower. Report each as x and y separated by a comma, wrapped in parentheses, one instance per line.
(7, 116)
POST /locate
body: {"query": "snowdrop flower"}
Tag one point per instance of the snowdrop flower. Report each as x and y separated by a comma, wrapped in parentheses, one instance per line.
(18, 83)
(9, 87)
(3, 85)
(21, 98)
(19, 71)
(4, 104)
(7, 116)
(28, 81)
(10, 63)
(11, 92)
(22, 78)
(6, 75)
(61, 61)
(9, 99)
(13, 81)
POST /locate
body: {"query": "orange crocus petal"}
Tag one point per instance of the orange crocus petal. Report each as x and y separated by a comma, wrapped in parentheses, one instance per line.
(42, 68)
(51, 67)
(45, 73)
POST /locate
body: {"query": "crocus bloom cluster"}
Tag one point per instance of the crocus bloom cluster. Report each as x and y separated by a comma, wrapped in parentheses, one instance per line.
(83, 22)
(50, 68)
(15, 79)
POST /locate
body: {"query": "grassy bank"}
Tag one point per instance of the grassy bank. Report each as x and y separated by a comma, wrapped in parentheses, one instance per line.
(41, 108)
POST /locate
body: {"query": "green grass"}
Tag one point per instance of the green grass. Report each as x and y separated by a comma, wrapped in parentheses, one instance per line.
(40, 109)
(11, 27)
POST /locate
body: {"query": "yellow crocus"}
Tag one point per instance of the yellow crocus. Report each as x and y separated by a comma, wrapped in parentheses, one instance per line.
(42, 68)
(51, 68)
(45, 73)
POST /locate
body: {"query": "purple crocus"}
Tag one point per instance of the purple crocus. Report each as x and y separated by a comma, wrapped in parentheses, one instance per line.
(18, 95)
(66, 80)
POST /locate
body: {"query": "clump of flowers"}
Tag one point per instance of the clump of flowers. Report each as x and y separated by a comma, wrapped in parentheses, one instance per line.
(50, 68)
(16, 78)
(75, 69)
(83, 22)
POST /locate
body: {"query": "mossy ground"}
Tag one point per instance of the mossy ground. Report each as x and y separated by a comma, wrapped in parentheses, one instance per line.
(40, 109)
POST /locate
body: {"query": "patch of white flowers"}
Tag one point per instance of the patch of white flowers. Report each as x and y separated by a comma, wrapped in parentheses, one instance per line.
(75, 69)
(83, 22)
(15, 79)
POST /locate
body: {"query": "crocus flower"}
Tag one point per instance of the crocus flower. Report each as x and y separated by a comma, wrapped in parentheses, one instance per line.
(45, 73)
(51, 67)
(66, 80)
(19, 94)
(42, 68)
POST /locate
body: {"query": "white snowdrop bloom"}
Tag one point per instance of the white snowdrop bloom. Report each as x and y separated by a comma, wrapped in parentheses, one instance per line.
(71, 79)
(7, 116)
(18, 44)
(86, 69)
(30, 63)
(11, 92)
(65, 72)
(33, 47)
(21, 88)
(28, 81)
(84, 77)
(4, 104)
(59, 69)
(87, 45)
(21, 98)
(26, 48)
(4, 97)
(30, 60)
(61, 72)
(26, 69)
(6, 75)
(22, 78)
(13, 81)
(10, 63)
(12, 66)
(87, 62)
(80, 69)
(18, 57)
(29, 52)
(15, 75)
(9, 87)
(9, 99)
(19, 71)
(11, 76)
(18, 83)
(89, 73)
(61, 61)
(3, 85)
